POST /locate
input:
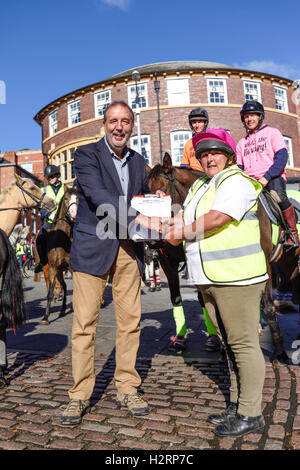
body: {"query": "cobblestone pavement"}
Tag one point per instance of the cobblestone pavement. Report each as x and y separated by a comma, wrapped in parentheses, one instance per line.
(181, 390)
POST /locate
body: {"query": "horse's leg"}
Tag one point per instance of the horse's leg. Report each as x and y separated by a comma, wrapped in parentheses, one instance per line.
(57, 291)
(171, 272)
(157, 275)
(151, 276)
(46, 276)
(61, 281)
(269, 308)
(50, 295)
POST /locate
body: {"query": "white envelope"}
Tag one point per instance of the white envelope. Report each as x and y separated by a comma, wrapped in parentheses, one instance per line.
(151, 206)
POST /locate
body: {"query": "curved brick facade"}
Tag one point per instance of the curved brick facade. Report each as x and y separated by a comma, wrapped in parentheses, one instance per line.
(183, 86)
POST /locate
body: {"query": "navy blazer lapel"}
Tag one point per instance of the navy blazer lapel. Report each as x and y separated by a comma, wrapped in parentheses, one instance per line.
(132, 176)
(106, 160)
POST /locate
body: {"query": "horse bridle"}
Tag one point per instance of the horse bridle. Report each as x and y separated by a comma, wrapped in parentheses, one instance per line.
(67, 216)
(24, 191)
(36, 199)
(174, 187)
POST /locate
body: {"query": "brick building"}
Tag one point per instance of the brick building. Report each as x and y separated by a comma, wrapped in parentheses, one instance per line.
(27, 164)
(77, 118)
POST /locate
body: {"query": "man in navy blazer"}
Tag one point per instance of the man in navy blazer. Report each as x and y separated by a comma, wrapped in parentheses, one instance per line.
(108, 175)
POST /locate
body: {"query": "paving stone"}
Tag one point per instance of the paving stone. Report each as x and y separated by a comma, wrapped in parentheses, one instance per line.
(182, 391)
(66, 445)
(131, 432)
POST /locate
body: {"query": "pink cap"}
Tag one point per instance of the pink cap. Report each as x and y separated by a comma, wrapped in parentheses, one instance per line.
(211, 138)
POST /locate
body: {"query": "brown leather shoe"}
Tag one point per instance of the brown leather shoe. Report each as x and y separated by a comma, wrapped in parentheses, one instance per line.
(74, 411)
(136, 405)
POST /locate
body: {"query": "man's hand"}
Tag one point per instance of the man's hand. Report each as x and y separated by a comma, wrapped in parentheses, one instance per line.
(152, 223)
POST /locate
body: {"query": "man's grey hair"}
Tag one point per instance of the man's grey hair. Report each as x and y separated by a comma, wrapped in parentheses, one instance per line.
(118, 103)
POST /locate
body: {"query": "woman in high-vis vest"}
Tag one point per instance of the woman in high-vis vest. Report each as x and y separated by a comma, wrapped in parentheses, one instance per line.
(224, 259)
(55, 190)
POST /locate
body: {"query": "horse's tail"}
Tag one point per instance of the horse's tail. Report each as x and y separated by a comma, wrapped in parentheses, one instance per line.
(12, 296)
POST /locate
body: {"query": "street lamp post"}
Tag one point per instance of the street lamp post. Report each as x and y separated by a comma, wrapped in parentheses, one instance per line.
(157, 88)
(136, 77)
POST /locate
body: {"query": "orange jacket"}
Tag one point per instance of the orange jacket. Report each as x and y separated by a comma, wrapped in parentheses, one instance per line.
(189, 158)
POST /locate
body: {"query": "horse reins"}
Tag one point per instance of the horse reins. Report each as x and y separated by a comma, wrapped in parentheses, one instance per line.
(174, 187)
(24, 191)
(67, 216)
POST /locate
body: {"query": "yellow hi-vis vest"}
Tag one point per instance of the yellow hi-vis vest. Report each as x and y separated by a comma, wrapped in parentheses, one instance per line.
(233, 253)
(19, 249)
(294, 196)
(57, 197)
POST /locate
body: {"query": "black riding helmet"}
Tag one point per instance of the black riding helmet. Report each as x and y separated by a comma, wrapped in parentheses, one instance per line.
(198, 113)
(51, 170)
(254, 107)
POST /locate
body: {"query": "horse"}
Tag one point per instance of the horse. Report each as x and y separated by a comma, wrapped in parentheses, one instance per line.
(177, 181)
(21, 194)
(12, 308)
(59, 239)
(18, 234)
(171, 257)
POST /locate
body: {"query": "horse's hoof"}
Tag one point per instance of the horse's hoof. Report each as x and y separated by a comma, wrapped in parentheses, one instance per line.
(44, 322)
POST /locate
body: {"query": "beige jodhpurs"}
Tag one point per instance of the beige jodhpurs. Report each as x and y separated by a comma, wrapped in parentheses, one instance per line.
(87, 294)
(235, 312)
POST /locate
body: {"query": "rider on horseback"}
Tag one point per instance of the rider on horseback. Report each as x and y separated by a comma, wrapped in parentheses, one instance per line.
(262, 154)
(55, 190)
(198, 121)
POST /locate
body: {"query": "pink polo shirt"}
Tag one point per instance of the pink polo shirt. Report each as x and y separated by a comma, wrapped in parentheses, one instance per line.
(256, 151)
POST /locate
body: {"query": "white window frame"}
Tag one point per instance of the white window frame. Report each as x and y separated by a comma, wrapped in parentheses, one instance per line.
(101, 105)
(289, 145)
(284, 100)
(177, 150)
(27, 166)
(209, 90)
(255, 97)
(181, 95)
(53, 123)
(73, 114)
(146, 147)
(143, 95)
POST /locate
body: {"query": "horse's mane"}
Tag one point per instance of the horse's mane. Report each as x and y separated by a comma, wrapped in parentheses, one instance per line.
(7, 188)
(158, 169)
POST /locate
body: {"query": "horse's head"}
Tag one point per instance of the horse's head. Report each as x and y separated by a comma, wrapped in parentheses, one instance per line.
(175, 181)
(33, 196)
(159, 177)
(71, 203)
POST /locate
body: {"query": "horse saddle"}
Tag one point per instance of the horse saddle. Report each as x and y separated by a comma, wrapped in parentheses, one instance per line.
(269, 200)
(270, 203)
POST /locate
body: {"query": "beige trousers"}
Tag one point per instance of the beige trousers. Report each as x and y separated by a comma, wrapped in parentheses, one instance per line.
(87, 294)
(235, 312)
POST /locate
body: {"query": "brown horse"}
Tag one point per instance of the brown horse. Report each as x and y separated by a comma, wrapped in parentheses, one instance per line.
(12, 308)
(176, 181)
(21, 194)
(59, 239)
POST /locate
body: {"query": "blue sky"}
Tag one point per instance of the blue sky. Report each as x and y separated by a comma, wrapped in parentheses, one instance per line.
(48, 49)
